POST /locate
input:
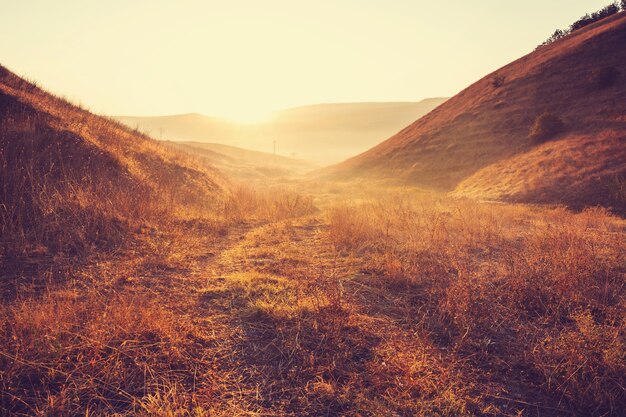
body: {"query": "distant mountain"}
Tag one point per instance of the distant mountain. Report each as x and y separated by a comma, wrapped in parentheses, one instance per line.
(548, 128)
(323, 133)
(243, 163)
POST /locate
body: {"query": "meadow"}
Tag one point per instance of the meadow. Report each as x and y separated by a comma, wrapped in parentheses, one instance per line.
(472, 264)
(312, 298)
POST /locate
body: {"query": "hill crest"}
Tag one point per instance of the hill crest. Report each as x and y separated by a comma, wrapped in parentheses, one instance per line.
(322, 133)
(486, 126)
(72, 179)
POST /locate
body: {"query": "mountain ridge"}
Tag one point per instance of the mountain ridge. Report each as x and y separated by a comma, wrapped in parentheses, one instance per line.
(323, 133)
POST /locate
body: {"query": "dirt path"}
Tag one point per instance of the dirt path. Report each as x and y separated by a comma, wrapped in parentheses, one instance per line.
(235, 290)
(263, 297)
(289, 325)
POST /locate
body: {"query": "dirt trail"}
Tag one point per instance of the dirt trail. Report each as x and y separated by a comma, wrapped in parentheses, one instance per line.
(290, 325)
(220, 287)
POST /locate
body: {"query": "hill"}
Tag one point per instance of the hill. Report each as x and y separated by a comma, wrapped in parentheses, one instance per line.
(480, 142)
(243, 163)
(323, 133)
(72, 180)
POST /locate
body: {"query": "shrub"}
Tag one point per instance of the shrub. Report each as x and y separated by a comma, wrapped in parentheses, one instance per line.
(609, 10)
(498, 81)
(617, 189)
(582, 22)
(546, 126)
(585, 20)
(558, 34)
(602, 78)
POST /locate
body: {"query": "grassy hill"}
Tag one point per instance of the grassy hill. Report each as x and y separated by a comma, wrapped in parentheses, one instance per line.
(323, 133)
(72, 180)
(243, 163)
(494, 139)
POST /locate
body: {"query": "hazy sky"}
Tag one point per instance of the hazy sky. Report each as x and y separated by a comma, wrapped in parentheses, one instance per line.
(242, 58)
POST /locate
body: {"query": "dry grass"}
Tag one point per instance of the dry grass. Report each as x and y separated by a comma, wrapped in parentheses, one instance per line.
(76, 184)
(265, 203)
(532, 296)
(96, 223)
(400, 303)
(71, 353)
(73, 181)
(136, 282)
(106, 336)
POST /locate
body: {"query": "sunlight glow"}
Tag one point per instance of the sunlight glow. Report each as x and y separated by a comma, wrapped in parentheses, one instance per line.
(243, 58)
(245, 116)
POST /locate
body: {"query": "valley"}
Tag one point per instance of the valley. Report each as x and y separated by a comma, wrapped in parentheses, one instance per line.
(370, 300)
(320, 133)
(467, 259)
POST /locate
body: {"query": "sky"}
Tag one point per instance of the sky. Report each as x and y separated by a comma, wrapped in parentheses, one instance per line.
(242, 59)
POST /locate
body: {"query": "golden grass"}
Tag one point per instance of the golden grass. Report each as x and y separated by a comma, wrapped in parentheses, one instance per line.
(101, 337)
(536, 295)
(96, 223)
(70, 353)
(265, 203)
(136, 283)
(73, 180)
(400, 303)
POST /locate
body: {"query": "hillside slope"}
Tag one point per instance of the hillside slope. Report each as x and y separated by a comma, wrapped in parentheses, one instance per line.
(71, 179)
(323, 133)
(243, 163)
(478, 142)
